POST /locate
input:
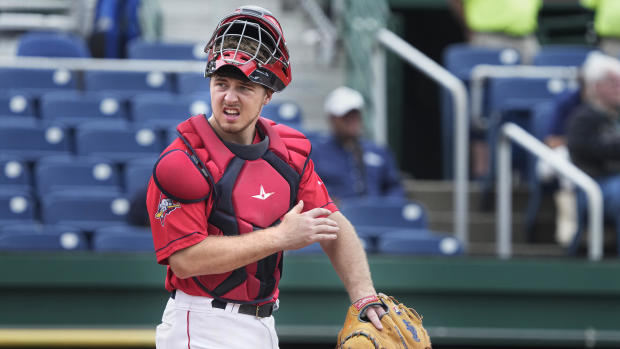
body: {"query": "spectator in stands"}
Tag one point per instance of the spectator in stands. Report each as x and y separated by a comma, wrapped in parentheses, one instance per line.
(501, 23)
(593, 135)
(349, 165)
(606, 24)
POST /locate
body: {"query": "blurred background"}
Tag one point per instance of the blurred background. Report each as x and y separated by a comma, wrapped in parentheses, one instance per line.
(91, 92)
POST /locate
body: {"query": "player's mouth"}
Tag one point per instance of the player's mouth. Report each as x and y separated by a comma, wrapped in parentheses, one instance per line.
(231, 114)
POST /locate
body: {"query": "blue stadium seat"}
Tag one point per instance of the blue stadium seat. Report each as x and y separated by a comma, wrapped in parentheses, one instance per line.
(288, 113)
(566, 55)
(385, 213)
(129, 83)
(118, 141)
(85, 210)
(192, 83)
(68, 172)
(137, 174)
(419, 242)
(16, 103)
(37, 237)
(14, 172)
(73, 107)
(461, 58)
(52, 44)
(25, 138)
(16, 206)
(123, 238)
(165, 110)
(36, 81)
(140, 49)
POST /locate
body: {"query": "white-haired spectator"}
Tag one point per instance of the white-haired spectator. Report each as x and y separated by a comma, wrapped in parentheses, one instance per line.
(593, 133)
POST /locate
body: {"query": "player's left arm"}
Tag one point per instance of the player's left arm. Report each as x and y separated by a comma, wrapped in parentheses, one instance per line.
(346, 252)
(350, 262)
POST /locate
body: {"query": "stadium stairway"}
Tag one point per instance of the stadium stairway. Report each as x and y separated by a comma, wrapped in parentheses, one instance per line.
(438, 198)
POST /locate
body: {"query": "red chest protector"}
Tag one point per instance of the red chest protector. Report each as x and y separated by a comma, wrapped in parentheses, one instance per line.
(249, 188)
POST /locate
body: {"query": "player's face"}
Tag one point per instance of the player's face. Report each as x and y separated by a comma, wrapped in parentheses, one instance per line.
(236, 107)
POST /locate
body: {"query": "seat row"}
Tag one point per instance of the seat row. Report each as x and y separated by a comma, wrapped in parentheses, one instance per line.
(73, 107)
(68, 172)
(37, 237)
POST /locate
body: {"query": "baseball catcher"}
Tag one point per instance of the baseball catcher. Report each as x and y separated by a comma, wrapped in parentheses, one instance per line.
(402, 327)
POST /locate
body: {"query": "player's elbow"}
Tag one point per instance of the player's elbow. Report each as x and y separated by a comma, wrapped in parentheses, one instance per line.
(180, 266)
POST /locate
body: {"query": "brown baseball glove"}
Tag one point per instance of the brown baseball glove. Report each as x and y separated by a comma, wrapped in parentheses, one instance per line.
(402, 327)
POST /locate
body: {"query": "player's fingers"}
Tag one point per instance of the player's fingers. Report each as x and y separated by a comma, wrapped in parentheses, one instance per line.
(371, 314)
(324, 237)
(326, 221)
(317, 212)
(321, 229)
(299, 207)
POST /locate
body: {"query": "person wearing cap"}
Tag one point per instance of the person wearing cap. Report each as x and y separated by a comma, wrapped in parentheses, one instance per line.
(351, 166)
(233, 192)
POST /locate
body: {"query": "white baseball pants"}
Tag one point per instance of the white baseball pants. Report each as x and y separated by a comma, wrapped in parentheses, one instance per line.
(190, 322)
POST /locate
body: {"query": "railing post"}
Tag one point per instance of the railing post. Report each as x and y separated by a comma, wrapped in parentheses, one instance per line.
(504, 197)
(461, 122)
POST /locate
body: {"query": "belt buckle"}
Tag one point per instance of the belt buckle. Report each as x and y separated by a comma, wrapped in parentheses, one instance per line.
(257, 310)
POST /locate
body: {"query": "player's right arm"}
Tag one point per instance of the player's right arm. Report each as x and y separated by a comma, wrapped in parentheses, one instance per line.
(219, 254)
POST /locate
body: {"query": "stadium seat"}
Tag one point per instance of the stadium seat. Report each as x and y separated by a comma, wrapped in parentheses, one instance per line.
(16, 103)
(118, 140)
(288, 113)
(137, 174)
(14, 172)
(419, 242)
(36, 81)
(192, 83)
(123, 238)
(52, 44)
(73, 107)
(68, 172)
(85, 210)
(140, 49)
(25, 138)
(461, 58)
(16, 206)
(565, 55)
(37, 237)
(385, 213)
(129, 83)
(166, 110)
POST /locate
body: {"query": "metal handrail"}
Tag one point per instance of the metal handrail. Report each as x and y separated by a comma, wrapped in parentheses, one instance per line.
(482, 72)
(328, 31)
(458, 91)
(511, 132)
(108, 64)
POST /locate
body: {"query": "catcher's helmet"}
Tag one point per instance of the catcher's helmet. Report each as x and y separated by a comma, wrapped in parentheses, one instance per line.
(251, 39)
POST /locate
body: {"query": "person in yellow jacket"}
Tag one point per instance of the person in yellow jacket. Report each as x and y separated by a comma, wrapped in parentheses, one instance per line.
(606, 24)
(501, 23)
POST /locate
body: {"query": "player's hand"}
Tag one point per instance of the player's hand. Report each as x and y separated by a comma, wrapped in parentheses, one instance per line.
(374, 314)
(298, 229)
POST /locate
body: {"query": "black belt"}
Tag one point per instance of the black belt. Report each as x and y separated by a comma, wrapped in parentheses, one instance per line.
(264, 310)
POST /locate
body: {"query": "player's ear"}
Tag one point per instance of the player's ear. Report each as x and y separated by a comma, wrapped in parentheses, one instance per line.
(268, 95)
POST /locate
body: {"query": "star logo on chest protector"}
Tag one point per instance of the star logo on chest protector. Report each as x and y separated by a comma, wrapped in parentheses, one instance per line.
(262, 195)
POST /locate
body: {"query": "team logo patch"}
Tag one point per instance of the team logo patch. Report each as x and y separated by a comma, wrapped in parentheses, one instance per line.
(166, 206)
